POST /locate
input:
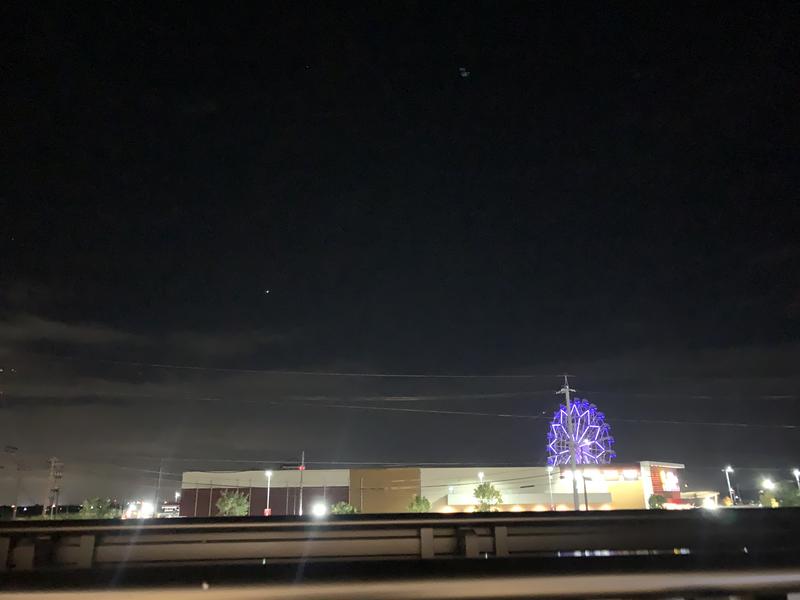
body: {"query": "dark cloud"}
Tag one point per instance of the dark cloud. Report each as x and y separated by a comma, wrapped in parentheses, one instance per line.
(28, 329)
(223, 344)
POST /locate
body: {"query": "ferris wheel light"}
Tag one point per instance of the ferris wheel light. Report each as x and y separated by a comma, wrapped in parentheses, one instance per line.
(591, 435)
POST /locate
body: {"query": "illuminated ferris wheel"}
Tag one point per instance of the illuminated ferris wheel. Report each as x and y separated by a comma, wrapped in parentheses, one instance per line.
(591, 433)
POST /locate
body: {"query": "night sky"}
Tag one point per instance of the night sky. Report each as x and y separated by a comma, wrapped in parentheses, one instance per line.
(281, 198)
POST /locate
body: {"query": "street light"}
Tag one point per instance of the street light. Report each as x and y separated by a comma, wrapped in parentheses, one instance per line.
(550, 485)
(796, 474)
(319, 510)
(269, 485)
(728, 470)
(768, 484)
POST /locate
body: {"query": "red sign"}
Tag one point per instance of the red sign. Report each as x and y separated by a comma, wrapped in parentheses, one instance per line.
(267, 512)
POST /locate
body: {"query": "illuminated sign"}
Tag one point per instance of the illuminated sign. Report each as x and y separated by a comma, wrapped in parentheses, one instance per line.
(669, 481)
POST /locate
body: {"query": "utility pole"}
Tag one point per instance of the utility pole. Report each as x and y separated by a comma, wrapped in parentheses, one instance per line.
(55, 475)
(302, 469)
(12, 451)
(570, 432)
(585, 493)
(157, 502)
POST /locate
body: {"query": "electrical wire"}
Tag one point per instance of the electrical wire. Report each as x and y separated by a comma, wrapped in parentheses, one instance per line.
(529, 416)
(399, 375)
(302, 373)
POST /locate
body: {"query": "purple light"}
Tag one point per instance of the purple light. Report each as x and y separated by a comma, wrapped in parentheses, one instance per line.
(592, 435)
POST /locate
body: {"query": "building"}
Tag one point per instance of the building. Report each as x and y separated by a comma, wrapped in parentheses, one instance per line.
(200, 490)
(449, 490)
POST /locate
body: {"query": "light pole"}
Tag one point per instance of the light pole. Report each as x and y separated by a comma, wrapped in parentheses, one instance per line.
(302, 470)
(728, 470)
(550, 485)
(269, 485)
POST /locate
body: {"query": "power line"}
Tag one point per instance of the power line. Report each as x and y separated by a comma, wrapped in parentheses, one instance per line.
(526, 416)
(430, 397)
(683, 396)
(451, 376)
(450, 412)
(301, 373)
(399, 375)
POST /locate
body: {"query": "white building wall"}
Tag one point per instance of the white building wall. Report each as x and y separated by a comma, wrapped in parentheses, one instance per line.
(524, 488)
(280, 479)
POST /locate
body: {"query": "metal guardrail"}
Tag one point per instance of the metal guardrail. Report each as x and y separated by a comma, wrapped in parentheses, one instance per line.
(60, 545)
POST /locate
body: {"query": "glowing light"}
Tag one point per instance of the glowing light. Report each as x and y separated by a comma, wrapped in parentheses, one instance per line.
(319, 510)
(729, 469)
(605, 507)
(562, 507)
(710, 503)
(630, 474)
(481, 476)
(611, 474)
(138, 510)
(768, 484)
(447, 510)
(517, 508)
(591, 474)
(670, 481)
(590, 433)
(539, 508)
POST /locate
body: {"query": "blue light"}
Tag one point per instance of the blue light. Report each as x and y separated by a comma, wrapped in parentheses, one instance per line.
(592, 435)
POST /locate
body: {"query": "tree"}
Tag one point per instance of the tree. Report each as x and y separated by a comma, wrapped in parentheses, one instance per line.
(233, 504)
(420, 504)
(656, 501)
(98, 508)
(488, 496)
(343, 508)
(783, 495)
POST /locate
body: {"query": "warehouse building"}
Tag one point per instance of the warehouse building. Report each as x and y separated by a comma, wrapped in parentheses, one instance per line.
(449, 490)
